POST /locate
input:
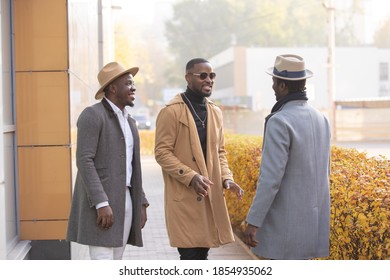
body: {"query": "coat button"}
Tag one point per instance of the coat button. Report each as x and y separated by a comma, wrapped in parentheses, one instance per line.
(181, 172)
(198, 198)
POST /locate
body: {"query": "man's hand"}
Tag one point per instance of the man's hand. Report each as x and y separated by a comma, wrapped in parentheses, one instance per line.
(105, 217)
(250, 236)
(201, 185)
(144, 216)
(233, 187)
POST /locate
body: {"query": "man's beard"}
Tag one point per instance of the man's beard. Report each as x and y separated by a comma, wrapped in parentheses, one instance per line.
(203, 94)
(207, 94)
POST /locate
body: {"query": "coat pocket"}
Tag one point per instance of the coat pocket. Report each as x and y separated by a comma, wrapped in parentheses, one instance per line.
(179, 190)
(102, 173)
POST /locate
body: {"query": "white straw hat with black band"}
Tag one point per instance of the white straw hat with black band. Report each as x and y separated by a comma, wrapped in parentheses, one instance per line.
(289, 67)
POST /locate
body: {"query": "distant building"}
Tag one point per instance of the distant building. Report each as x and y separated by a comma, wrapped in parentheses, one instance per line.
(361, 72)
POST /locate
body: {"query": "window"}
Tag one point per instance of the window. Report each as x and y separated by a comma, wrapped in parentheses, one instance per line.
(383, 71)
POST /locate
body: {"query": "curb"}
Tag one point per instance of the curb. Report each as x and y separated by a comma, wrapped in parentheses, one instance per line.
(246, 248)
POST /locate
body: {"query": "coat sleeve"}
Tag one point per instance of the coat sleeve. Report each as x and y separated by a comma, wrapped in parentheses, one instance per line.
(273, 165)
(88, 131)
(165, 139)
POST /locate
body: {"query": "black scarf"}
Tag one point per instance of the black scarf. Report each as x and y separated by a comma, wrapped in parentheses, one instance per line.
(289, 97)
(280, 103)
(198, 103)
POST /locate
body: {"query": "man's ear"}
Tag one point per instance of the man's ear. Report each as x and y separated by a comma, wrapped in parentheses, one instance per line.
(282, 86)
(112, 88)
(187, 77)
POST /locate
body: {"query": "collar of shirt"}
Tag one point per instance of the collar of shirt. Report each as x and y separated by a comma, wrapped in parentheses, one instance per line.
(118, 111)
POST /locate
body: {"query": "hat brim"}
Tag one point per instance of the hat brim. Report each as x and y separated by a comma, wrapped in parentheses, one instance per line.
(133, 71)
(270, 71)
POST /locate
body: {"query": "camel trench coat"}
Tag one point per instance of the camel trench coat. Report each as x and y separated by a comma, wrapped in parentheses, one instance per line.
(101, 176)
(193, 221)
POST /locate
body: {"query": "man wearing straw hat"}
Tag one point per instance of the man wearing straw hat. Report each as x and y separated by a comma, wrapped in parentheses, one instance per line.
(289, 216)
(109, 205)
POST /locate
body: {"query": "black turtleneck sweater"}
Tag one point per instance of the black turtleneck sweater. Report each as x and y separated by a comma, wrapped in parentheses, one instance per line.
(199, 105)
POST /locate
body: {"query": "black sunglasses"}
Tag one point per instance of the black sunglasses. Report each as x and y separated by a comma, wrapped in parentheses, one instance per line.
(204, 75)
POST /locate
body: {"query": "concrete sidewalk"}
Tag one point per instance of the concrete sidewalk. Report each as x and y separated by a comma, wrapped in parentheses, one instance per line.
(156, 243)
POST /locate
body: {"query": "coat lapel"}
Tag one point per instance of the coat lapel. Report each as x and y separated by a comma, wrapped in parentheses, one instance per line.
(211, 131)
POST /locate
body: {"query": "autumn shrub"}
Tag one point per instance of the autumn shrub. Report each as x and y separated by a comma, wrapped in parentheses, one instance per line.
(359, 188)
(243, 155)
(360, 195)
(360, 213)
(147, 141)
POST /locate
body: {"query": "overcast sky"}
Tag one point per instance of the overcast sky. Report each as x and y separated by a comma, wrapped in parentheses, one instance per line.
(148, 11)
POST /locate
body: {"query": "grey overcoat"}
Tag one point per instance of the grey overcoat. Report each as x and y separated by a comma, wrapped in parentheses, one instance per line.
(101, 176)
(292, 202)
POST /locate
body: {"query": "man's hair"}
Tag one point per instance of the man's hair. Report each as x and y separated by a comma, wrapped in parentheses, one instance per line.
(293, 86)
(192, 62)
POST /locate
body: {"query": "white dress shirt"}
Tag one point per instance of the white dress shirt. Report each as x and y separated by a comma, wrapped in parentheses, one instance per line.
(129, 140)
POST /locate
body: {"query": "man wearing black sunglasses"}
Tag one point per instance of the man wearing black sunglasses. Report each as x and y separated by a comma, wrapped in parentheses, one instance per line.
(190, 149)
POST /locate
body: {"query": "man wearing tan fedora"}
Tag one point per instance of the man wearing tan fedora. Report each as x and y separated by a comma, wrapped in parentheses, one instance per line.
(289, 216)
(109, 205)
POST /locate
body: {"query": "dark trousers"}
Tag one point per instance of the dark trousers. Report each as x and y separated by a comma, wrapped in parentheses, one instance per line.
(193, 253)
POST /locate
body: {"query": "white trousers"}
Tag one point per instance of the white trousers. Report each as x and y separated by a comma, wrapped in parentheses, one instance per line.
(115, 253)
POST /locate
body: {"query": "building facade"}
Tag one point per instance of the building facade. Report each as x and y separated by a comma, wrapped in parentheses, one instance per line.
(51, 52)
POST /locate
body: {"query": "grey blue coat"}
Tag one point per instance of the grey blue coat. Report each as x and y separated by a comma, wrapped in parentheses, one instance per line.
(292, 204)
(101, 176)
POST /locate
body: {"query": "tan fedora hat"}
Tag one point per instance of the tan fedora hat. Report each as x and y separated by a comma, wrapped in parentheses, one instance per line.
(109, 73)
(289, 67)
